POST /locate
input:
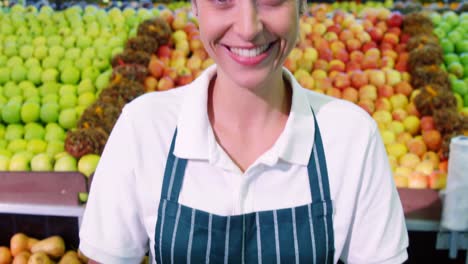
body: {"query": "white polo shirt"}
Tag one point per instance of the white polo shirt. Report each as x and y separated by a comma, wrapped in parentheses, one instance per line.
(120, 217)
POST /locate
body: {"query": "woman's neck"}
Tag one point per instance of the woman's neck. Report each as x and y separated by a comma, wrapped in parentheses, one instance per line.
(239, 108)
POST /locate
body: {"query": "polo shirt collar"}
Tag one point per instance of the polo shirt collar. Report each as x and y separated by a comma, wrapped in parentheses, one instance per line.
(196, 140)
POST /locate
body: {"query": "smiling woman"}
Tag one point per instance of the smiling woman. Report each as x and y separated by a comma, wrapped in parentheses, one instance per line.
(243, 165)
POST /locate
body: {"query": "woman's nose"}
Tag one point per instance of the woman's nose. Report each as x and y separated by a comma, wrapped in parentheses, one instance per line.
(247, 21)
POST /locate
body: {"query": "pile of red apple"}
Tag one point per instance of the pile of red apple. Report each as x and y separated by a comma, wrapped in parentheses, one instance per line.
(365, 62)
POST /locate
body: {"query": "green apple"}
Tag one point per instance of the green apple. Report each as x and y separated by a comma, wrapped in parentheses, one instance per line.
(116, 51)
(455, 36)
(83, 63)
(10, 89)
(68, 118)
(2, 132)
(67, 101)
(41, 162)
(73, 53)
(54, 132)
(17, 145)
(65, 162)
(88, 163)
(4, 75)
(84, 42)
(70, 75)
(32, 62)
(101, 64)
(451, 18)
(49, 88)
(67, 89)
(3, 58)
(9, 49)
(39, 41)
(86, 99)
(102, 81)
(14, 131)
(464, 58)
(80, 109)
(459, 100)
(461, 46)
(90, 72)
(36, 146)
(49, 75)
(50, 98)
(19, 73)
(26, 51)
(11, 112)
(33, 131)
(30, 112)
(65, 63)
(55, 40)
(447, 46)
(4, 163)
(50, 62)
(54, 147)
(89, 52)
(40, 52)
(14, 61)
(57, 51)
(35, 74)
(450, 58)
(460, 87)
(456, 69)
(86, 85)
(69, 42)
(20, 161)
(49, 112)
(436, 18)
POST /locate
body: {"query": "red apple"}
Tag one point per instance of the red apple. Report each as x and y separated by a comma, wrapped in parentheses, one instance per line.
(359, 79)
(319, 74)
(437, 180)
(353, 66)
(350, 94)
(385, 91)
(341, 81)
(391, 38)
(325, 54)
(323, 84)
(427, 123)
(368, 45)
(376, 77)
(290, 64)
(376, 34)
(165, 83)
(404, 88)
(342, 55)
(156, 67)
(195, 43)
(345, 35)
(334, 92)
(151, 84)
(337, 65)
(405, 38)
(394, 30)
(334, 28)
(418, 180)
(356, 56)
(367, 105)
(399, 114)
(416, 146)
(184, 76)
(368, 92)
(370, 62)
(164, 51)
(400, 48)
(321, 64)
(353, 44)
(433, 139)
(395, 20)
(383, 104)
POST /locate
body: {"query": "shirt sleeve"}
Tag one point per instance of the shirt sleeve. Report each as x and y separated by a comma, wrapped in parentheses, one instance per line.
(378, 233)
(112, 230)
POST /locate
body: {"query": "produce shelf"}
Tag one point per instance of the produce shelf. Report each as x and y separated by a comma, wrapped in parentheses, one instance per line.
(422, 207)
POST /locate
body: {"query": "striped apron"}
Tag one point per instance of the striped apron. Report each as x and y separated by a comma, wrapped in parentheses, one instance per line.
(302, 234)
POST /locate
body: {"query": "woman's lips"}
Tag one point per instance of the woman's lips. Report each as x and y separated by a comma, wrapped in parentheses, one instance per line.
(249, 60)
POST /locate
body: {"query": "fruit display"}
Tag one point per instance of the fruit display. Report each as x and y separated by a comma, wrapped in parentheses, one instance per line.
(53, 65)
(61, 94)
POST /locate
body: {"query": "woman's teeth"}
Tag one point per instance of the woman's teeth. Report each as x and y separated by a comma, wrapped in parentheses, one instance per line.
(250, 52)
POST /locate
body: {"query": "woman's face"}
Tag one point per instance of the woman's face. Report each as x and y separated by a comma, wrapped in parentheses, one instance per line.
(248, 39)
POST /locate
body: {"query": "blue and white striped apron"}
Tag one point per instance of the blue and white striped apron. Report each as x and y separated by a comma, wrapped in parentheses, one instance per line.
(302, 234)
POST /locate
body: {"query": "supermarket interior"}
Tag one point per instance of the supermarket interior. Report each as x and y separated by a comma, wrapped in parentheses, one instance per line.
(68, 68)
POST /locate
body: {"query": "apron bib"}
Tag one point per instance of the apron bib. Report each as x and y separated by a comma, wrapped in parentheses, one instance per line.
(302, 234)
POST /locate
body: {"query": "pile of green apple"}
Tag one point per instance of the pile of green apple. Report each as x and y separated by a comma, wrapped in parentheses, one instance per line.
(355, 7)
(53, 64)
(452, 31)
